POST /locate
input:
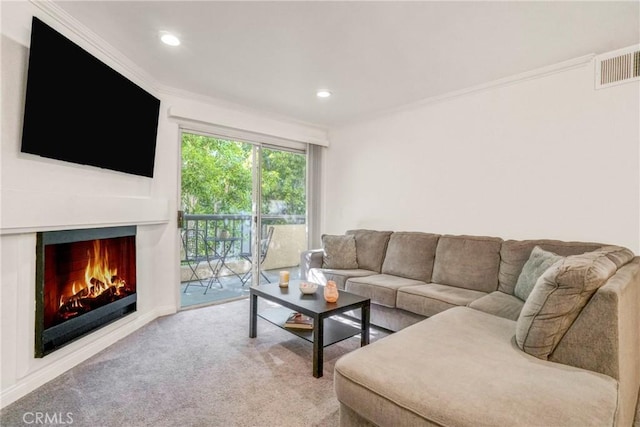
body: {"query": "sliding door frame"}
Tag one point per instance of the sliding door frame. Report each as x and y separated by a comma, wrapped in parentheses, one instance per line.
(258, 143)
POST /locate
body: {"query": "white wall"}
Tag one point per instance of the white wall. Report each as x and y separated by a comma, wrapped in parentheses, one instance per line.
(548, 157)
(38, 194)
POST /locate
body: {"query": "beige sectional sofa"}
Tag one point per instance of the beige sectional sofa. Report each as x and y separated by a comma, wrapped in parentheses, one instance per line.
(487, 334)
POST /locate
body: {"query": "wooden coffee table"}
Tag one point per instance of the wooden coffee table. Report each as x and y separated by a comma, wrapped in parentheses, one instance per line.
(326, 330)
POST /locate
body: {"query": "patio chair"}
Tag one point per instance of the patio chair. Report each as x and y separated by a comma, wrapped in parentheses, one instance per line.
(264, 249)
(195, 250)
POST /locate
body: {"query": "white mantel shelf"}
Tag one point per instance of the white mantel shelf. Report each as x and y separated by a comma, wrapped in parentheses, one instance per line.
(27, 212)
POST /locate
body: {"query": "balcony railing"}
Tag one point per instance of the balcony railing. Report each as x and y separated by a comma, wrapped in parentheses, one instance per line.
(236, 226)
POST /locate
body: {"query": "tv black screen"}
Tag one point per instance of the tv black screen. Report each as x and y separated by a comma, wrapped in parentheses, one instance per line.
(80, 110)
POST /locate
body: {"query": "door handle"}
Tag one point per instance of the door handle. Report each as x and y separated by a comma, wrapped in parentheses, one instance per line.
(180, 219)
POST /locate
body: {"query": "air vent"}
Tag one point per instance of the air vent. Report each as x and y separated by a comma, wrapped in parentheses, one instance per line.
(617, 67)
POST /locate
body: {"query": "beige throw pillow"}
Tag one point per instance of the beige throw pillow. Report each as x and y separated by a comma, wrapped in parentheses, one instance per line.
(339, 252)
(539, 261)
(560, 294)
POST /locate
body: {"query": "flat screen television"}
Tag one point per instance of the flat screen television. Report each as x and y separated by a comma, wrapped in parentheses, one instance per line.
(80, 110)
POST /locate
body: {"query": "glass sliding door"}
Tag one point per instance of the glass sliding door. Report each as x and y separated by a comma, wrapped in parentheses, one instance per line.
(283, 210)
(216, 204)
(243, 216)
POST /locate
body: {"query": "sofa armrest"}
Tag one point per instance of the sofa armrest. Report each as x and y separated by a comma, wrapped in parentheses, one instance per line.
(308, 260)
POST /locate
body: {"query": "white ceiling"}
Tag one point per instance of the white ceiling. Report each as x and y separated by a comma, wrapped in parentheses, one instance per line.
(373, 56)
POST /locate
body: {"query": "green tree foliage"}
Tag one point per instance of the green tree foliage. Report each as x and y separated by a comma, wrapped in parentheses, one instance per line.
(217, 178)
(283, 182)
(216, 175)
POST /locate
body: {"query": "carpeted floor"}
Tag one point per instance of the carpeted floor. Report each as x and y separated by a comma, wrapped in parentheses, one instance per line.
(195, 368)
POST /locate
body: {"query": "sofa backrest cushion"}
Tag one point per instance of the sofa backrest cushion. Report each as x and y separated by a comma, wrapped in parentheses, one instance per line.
(539, 261)
(371, 245)
(339, 251)
(515, 253)
(560, 294)
(470, 262)
(410, 255)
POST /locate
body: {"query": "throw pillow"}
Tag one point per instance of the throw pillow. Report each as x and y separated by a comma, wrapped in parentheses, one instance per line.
(560, 294)
(539, 261)
(339, 252)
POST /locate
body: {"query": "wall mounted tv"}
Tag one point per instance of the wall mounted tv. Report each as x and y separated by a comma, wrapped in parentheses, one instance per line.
(80, 110)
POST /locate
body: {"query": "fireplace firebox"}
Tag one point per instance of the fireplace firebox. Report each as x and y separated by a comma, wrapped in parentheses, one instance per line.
(85, 279)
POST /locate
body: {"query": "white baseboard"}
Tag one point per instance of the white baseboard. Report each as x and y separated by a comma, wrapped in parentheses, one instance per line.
(121, 329)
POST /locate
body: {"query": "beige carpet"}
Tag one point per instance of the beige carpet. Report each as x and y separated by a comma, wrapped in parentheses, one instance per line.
(195, 368)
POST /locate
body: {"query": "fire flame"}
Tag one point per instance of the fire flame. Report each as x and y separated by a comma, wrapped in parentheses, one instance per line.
(99, 277)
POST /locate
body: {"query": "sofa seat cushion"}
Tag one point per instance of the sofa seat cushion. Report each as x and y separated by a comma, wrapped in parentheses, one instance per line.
(432, 298)
(462, 368)
(470, 262)
(322, 275)
(499, 304)
(380, 288)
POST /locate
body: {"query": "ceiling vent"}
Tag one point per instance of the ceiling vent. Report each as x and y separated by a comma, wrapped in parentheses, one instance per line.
(617, 67)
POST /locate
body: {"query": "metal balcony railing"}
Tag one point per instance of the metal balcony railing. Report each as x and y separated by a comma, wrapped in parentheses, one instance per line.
(236, 226)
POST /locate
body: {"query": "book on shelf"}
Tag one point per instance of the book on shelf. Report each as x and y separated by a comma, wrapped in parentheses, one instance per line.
(299, 321)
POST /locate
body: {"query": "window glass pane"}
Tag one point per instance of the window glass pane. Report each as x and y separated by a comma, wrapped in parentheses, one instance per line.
(284, 207)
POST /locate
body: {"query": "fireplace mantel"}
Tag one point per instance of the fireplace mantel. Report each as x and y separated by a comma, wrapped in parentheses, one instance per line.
(30, 211)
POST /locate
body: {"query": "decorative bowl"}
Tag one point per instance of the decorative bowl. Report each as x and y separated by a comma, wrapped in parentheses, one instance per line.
(308, 287)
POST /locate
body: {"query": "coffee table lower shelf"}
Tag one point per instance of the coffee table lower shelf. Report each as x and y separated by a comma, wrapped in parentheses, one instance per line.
(334, 330)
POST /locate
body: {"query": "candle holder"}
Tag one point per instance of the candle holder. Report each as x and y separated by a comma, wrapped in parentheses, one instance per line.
(284, 279)
(331, 293)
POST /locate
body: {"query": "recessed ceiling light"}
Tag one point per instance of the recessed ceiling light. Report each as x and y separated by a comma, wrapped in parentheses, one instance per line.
(168, 38)
(323, 94)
